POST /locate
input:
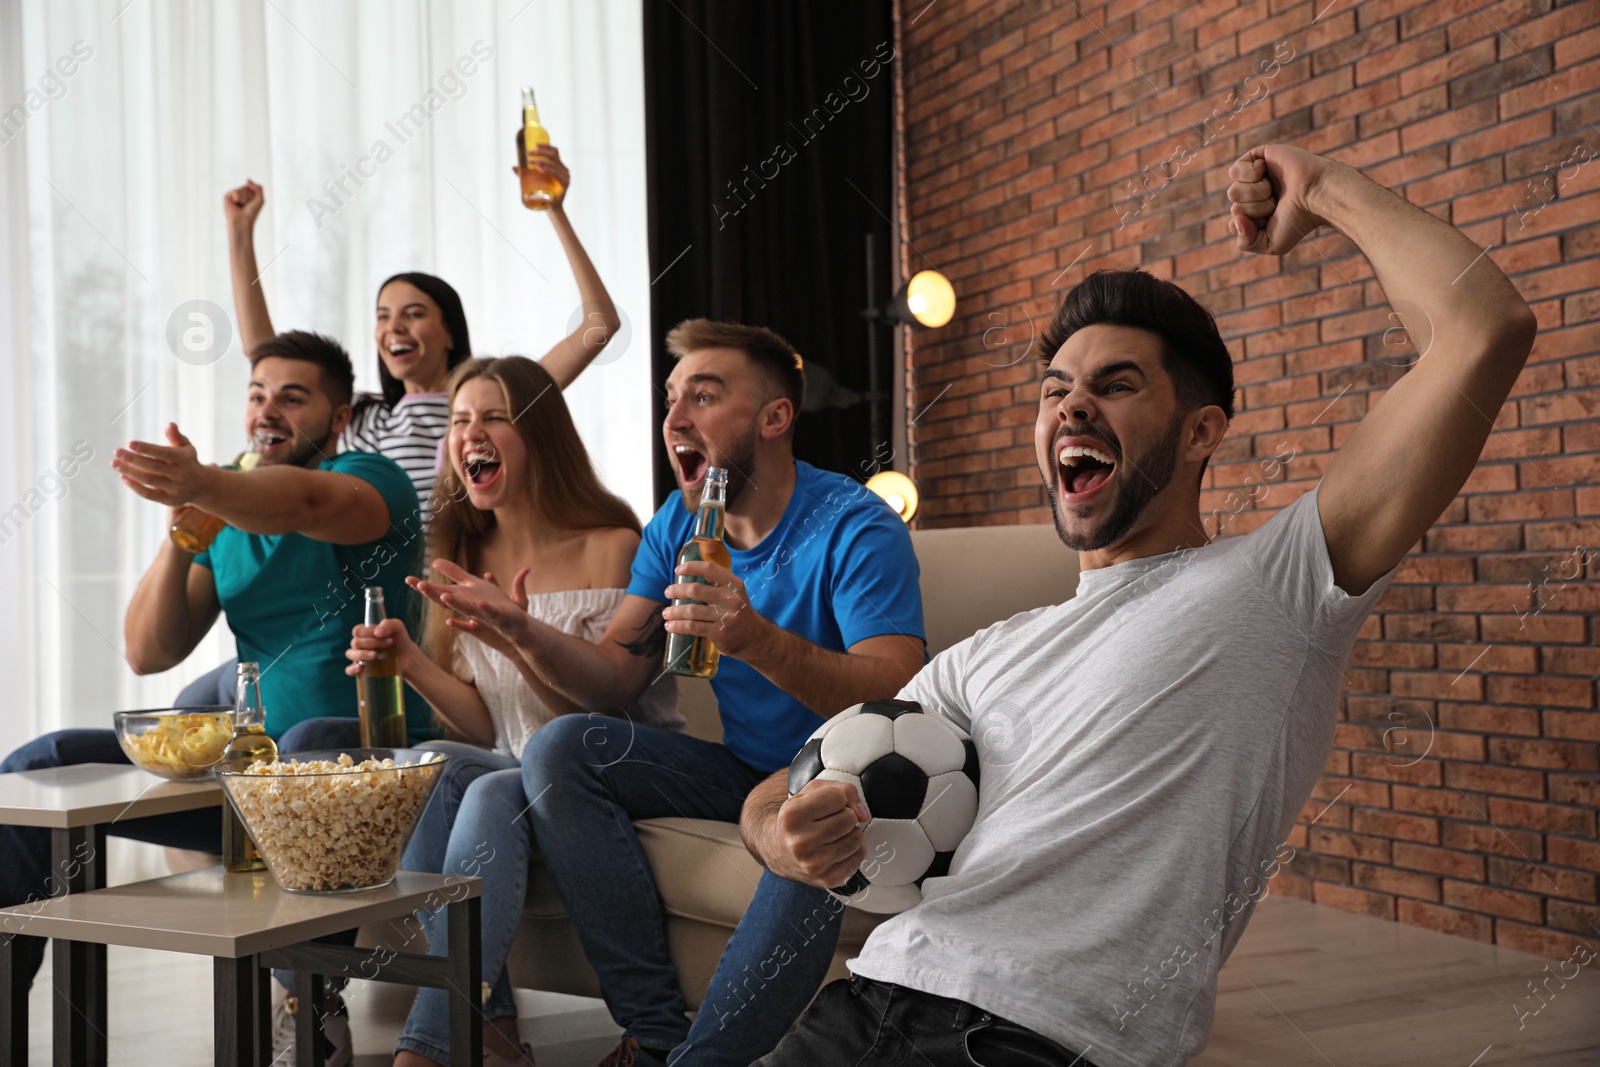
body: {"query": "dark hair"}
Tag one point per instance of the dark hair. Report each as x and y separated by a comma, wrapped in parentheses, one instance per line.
(777, 359)
(455, 321)
(338, 376)
(562, 482)
(1192, 351)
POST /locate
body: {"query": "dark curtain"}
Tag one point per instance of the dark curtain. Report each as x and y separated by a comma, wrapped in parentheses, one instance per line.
(768, 135)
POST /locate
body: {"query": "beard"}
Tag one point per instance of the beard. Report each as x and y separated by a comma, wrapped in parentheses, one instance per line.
(309, 451)
(738, 459)
(1150, 473)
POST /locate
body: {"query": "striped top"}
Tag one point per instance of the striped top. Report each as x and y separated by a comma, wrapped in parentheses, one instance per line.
(411, 433)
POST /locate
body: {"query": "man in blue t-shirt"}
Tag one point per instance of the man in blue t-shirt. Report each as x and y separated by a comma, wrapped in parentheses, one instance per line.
(305, 533)
(821, 610)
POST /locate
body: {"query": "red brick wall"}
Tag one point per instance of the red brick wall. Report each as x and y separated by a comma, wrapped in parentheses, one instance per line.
(1462, 793)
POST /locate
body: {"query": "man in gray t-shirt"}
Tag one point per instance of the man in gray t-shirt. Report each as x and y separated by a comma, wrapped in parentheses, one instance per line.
(1145, 746)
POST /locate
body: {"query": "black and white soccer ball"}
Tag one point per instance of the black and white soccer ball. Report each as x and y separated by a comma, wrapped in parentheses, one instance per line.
(917, 773)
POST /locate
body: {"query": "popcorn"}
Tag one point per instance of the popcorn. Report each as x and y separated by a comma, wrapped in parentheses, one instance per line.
(324, 826)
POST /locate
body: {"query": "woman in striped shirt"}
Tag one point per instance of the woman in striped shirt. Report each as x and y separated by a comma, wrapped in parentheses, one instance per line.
(421, 333)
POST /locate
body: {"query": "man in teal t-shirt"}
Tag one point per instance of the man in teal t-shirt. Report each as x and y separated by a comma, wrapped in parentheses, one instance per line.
(307, 531)
(291, 600)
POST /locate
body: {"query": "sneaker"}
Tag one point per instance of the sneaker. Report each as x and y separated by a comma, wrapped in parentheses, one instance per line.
(629, 1053)
(524, 1058)
(333, 1032)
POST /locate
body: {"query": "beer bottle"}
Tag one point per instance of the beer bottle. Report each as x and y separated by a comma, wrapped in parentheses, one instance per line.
(193, 530)
(687, 654)
(380, 689)
(249, 740)
(539, 190)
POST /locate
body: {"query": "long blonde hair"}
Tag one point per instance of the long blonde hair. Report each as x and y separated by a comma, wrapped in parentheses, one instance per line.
(562, 484)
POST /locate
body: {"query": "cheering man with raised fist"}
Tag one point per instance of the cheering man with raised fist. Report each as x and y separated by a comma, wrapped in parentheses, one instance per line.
(1181, 705)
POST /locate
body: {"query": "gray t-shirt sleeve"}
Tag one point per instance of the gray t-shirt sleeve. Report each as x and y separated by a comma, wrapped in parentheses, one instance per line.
(939, 687)
(1289, 564)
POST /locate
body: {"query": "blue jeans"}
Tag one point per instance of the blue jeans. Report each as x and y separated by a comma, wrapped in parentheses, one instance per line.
(476, 824)
(587, 778)
(220, 685)
(25, 863)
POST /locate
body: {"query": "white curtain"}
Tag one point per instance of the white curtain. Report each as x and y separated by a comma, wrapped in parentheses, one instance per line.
(383, 134)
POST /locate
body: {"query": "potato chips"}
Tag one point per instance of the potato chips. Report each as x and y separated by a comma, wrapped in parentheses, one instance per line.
(178, 746)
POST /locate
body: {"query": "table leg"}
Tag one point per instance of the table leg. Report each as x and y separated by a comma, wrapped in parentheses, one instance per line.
(466, 979)
(237, 1010)
(13, 1007)
(263, 1013)
(308, 992)
(78, 970)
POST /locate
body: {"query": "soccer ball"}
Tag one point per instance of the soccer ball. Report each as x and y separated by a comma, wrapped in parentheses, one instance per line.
(917, 773)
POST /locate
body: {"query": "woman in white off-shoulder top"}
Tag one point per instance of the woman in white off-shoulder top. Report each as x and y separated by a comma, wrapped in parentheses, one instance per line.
(518, 497)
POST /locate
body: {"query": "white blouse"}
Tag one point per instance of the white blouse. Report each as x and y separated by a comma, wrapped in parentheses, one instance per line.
(516, 709)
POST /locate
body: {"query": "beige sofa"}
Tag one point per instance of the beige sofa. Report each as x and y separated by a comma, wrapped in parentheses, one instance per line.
(971, 577)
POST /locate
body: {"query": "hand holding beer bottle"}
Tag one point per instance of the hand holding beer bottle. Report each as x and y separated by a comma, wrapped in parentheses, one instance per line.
(544, 179)
(193, 530)
(370, 643)
(380, 688)
(690, 654)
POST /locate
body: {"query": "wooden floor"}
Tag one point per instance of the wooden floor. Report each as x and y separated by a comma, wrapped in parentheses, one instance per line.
(1313, 986)
(1307, 985)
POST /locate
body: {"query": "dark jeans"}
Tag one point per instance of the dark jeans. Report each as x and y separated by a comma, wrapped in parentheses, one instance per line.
(586, 779)
(858, 1021)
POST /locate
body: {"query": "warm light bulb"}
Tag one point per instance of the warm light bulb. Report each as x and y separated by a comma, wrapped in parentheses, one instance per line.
(930, 298)
(898, 491)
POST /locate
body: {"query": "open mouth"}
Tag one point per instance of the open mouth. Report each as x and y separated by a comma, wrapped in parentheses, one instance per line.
(1083, 470)
(265, 442)
(401, 350)
(481, 468)
(691, 464)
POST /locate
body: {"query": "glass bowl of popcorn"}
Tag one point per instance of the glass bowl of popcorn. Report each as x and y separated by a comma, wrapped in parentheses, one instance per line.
(334, 821)
(179, 744)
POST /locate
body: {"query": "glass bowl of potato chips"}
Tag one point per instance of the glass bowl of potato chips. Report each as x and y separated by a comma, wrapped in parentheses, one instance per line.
(179, 744)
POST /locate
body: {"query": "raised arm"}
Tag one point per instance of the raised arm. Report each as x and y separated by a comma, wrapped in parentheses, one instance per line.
(331, 506)
(242, 206)
(577, 350)
(173, 608)
(1411, 454)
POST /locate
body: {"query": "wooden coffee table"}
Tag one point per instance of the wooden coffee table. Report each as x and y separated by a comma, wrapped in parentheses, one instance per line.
(76, 804)
(247, 924)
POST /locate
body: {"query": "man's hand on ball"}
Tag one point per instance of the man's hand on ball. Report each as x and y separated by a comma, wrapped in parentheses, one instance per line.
(723, 613)
(1270, 194)
(817, 836)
